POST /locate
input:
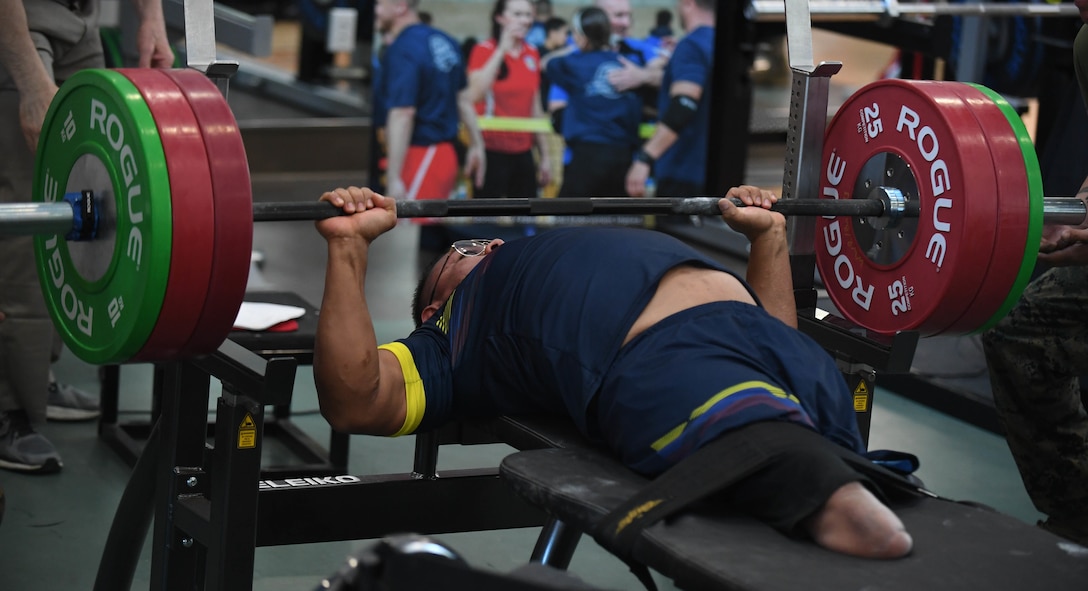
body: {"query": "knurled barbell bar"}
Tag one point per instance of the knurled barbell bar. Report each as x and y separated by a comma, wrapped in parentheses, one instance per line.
(77, 216)
(931, 196)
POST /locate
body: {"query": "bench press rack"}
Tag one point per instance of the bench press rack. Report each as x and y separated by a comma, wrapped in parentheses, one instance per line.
(210, 514)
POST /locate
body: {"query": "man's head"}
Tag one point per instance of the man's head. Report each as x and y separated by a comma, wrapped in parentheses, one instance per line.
(555, 33)
(393, 15)
(445, 273)
(619, 15)
(696, 13)
(543, 9)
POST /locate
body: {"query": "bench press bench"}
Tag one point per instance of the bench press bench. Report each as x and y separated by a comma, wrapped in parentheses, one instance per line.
(957, 545)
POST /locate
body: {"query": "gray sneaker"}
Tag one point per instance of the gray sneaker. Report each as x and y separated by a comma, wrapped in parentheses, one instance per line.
(68, 403)
(23, 449)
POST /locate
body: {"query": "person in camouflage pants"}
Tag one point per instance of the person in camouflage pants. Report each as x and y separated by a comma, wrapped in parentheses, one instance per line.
(1036, 356)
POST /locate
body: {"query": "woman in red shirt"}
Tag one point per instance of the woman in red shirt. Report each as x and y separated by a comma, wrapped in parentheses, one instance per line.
(504, 81)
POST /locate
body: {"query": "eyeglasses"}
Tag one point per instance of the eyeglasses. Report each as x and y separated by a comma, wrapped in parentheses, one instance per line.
(466, 248)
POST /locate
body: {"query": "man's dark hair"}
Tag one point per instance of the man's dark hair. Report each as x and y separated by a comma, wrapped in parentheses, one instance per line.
(546, 5)
(417, 299)
(554, 24)
(594, 25)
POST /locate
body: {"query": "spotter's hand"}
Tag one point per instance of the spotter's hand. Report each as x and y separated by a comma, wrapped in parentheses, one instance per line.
(755, 219)
(372, 214)
(1064, 246)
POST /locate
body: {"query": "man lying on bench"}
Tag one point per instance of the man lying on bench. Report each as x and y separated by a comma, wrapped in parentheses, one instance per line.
(650, 347)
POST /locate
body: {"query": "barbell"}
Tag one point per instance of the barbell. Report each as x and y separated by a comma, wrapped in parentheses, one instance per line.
(142, 212)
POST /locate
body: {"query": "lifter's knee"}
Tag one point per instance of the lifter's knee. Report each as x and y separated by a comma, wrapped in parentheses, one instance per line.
(854, 522)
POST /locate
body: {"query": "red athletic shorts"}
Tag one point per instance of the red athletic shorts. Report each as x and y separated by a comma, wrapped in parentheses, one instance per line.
(430, 172)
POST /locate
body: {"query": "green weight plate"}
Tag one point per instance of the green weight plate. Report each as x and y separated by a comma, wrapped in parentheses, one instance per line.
(105, 295)
(193, 213)
(1035, 210)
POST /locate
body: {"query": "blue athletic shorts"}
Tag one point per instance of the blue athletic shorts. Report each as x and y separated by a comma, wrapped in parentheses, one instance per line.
(711, 369)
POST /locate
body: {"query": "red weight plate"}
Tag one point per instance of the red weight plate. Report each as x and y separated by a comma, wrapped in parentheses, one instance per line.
(923, 274)
(193, 214)
(233, 210)
(1012, 212)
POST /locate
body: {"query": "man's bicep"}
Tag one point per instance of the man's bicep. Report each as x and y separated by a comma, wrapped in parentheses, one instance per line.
(686, 88)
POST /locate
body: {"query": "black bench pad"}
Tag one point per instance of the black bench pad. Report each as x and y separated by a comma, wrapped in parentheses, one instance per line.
(956, 546)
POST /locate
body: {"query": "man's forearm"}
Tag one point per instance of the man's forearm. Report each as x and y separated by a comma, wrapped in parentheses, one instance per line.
(660, 142)
(149, 10)
(655, 72)
(397, 137)
(770, 277)
(468, 118)
(18, 55)
(665, 136)
(347, 371)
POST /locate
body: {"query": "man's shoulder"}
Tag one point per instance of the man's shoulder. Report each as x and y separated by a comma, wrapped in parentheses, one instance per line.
(426, 46)
(701, 38)
(417, 36)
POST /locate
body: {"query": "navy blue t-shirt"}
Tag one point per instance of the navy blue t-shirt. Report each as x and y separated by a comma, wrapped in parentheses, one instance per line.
(538, 317)
(539, 324)
(423, 68)
(633, 50)
(596, 112)
(692, 61)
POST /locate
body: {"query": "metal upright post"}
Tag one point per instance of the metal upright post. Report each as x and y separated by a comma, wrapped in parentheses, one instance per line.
(176, 560)
(233, 510)
(801, 178)
(804, 145)
(200, 51)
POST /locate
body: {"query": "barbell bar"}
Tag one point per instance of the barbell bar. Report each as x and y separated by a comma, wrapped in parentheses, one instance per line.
(74, 219)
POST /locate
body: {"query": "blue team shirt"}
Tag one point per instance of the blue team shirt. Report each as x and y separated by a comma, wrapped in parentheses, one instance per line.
(692, 61)
(538, 325)
(423, 68)
(633, 50)
(539, 317)
(596, 112)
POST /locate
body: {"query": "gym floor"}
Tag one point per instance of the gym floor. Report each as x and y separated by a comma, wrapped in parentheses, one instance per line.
(55, 526)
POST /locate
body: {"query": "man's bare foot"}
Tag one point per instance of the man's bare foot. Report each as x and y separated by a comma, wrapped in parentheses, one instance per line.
(855, 522)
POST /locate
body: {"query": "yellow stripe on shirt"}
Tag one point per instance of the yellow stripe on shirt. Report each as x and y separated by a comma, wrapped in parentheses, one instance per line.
(415, 397)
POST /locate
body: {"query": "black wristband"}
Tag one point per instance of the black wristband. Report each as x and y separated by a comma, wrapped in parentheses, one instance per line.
(642, 156)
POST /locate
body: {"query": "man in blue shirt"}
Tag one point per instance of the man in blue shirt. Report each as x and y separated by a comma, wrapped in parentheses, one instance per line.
(678, 146)
(422, 90)
(642, 63)
(649, 347)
